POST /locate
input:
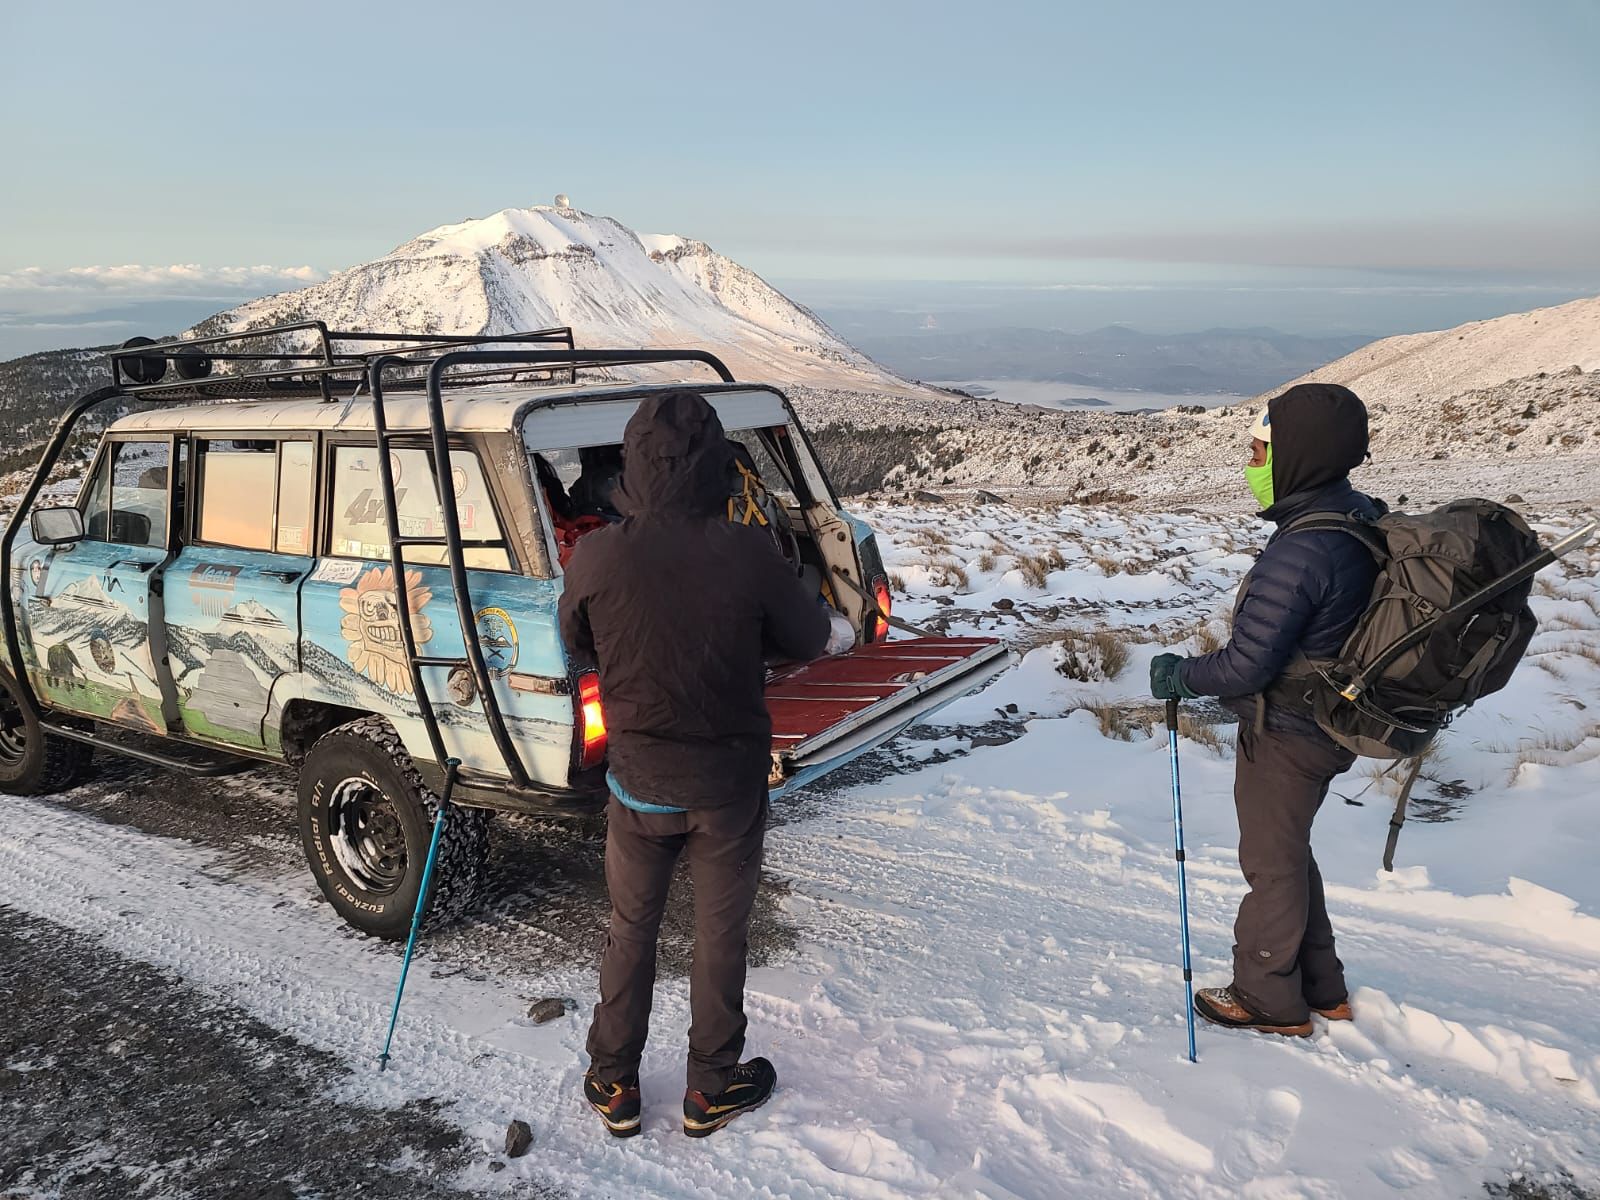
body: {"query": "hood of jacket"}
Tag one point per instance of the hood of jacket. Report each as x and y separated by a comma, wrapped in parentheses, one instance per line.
(675, 458)
(1319, 434)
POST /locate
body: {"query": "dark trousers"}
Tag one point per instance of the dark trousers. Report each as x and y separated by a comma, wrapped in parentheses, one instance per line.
(724, 848)
(1284, 962)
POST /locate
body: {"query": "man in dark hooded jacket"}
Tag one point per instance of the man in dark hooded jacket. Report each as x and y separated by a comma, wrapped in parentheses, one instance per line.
(678, 608)
(1300, 601)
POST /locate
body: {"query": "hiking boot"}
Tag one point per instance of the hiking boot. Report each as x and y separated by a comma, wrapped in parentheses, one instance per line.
(1339, 1012)
(749, 1086)
(617, 1103)
(1222, 1006)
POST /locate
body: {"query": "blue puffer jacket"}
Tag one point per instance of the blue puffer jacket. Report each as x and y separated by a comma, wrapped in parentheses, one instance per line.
(1305, 593)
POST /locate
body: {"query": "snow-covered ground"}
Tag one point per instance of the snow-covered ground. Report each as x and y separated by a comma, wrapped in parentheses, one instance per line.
(981, 994)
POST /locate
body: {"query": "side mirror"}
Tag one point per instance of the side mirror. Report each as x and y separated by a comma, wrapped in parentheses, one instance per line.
(56, 526)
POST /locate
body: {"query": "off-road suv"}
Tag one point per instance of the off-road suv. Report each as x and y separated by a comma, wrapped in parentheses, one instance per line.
(343, 551)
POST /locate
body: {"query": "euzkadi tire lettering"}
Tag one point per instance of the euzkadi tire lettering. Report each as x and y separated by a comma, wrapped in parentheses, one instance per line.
(366, 819)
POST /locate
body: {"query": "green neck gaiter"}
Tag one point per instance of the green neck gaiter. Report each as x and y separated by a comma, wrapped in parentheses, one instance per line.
(1260, 481)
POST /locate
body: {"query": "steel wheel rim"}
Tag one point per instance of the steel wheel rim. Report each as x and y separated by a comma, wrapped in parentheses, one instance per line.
(366, 836)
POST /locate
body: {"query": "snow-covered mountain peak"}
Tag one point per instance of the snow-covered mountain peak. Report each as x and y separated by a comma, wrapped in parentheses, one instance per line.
(549, 230)
(530, 268)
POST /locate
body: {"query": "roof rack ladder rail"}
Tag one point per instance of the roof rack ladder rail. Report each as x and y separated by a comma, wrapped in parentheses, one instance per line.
(397, 564)
(456, 559)
(327, 359)
(41, 474)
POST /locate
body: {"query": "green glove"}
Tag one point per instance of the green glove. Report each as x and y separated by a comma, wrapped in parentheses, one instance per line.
(1166, 678)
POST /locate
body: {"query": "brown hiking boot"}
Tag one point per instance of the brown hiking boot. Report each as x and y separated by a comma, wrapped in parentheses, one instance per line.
(1339, 1012)
(1222, 1006)
(617, 1103)
(749, 1087)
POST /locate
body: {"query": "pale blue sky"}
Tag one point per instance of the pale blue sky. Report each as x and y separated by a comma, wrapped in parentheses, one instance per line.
(1033, 143)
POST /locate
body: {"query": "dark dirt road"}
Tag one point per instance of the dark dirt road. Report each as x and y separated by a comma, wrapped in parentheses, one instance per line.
(119, 1081)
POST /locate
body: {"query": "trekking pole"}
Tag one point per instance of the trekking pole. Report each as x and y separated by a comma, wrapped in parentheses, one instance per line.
(1183, 879)
(450, 767)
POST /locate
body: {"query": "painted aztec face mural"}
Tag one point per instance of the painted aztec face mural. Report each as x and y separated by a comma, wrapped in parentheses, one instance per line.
(371, 626)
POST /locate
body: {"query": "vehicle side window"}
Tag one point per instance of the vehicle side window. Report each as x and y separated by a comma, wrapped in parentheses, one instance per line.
(360, 529)
(236, 493)
(255, 494)
(296, 480)
(126, 502)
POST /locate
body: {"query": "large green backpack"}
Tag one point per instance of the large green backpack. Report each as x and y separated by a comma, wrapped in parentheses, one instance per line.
(1447, 624)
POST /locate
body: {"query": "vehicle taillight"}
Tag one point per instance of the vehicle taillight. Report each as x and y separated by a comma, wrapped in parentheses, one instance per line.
(591, 719)
(877, 624)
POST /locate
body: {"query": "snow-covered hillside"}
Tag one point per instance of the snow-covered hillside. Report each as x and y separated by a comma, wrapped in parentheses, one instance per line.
(1431, 367)
(531, 268)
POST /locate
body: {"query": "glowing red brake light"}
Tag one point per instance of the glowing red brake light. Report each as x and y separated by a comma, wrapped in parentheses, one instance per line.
(591, 719)
(877, 623)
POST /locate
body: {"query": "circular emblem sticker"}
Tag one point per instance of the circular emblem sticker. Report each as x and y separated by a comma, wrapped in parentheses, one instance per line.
(498, 636)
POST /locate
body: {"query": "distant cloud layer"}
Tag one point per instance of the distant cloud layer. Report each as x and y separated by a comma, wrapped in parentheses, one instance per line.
(40, 288)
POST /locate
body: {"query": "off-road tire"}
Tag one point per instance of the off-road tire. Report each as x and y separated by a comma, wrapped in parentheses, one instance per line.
(33, 762)
(368, 754)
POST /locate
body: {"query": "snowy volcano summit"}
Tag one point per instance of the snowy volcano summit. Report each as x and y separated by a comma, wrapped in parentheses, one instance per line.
(531, 268)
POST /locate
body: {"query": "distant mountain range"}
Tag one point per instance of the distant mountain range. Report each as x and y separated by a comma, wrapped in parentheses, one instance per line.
(1241, 361)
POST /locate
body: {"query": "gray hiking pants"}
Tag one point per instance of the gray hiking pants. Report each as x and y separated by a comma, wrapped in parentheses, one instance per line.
(724, 849)
(1284, 963)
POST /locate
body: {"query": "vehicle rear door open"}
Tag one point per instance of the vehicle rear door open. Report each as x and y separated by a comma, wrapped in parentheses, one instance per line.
(827, 712)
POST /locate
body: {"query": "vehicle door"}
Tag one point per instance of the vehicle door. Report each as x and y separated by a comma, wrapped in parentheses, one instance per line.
(95, 617)
(233, 592)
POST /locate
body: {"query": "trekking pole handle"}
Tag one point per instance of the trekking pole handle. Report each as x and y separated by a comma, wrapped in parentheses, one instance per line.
(1172, 714)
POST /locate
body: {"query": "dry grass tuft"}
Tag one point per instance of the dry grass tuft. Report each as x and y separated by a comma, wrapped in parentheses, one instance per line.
(986, 561)
(1203, 637)
(1117, 722)
(897, 581)
(1586, 650)
(1551, 749)
(947, 573)
(1096, 657)
(1036, 568)
(1201, 733)
(1108, 565)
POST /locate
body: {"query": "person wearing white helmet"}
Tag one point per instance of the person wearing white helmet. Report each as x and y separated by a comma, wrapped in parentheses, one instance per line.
(1300, 601)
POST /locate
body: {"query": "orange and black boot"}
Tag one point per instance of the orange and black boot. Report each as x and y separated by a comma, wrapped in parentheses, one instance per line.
(750, 1086)
(617, 1103)
(1222, 1006)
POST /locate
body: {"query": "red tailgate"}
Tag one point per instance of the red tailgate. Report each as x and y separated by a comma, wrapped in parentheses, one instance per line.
(837, 705)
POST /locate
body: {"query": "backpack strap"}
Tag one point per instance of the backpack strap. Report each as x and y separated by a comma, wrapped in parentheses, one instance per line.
(750, 494)
(1359, 527)
(1399, 817)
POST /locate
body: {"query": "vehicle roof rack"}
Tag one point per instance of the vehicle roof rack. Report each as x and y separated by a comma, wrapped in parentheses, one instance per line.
(335, 366)
(269, 369)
